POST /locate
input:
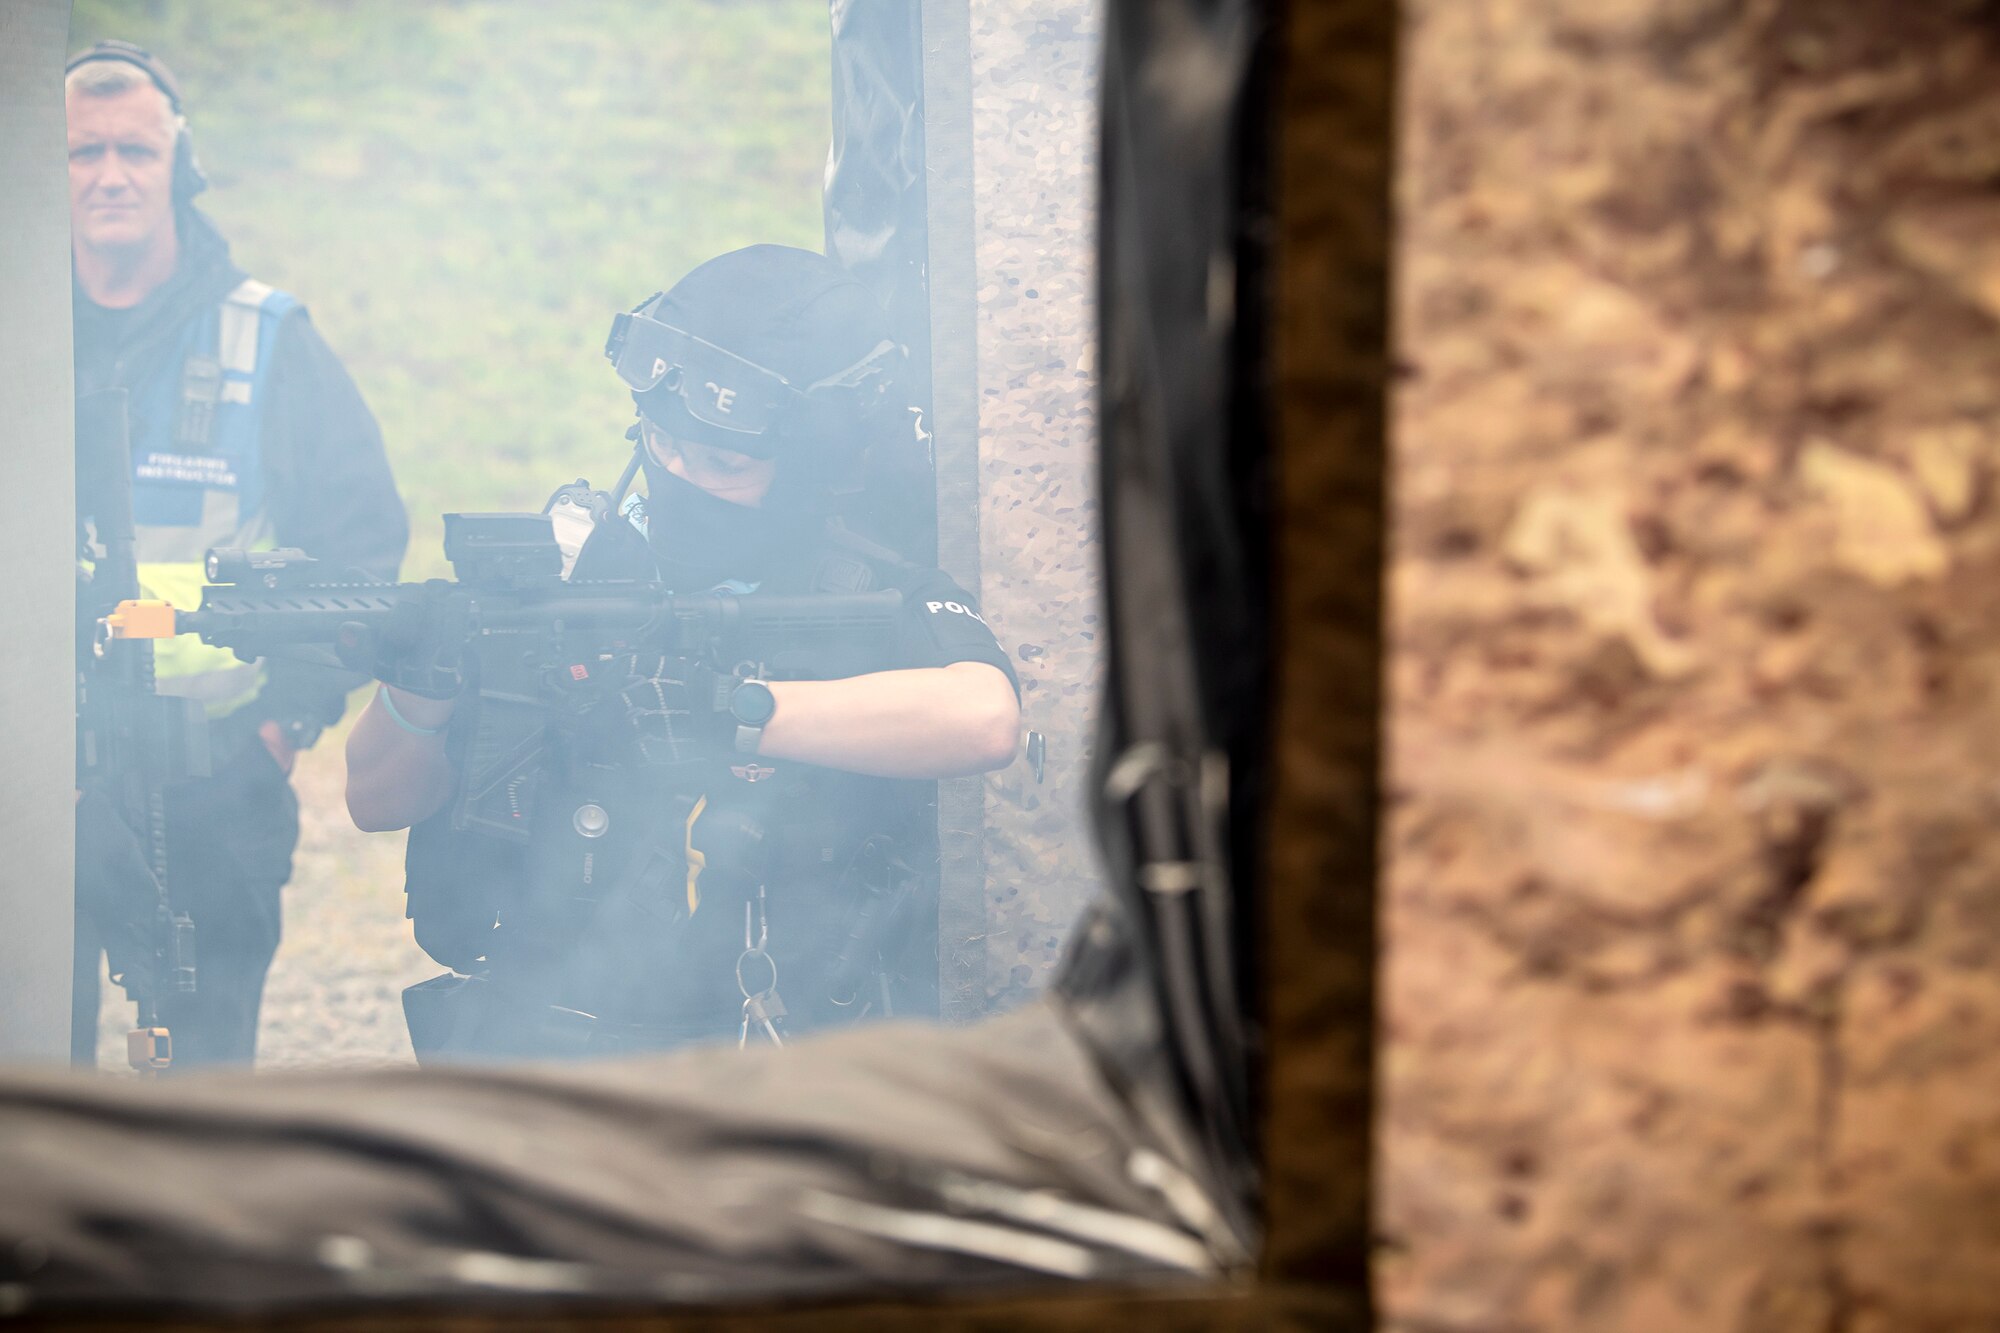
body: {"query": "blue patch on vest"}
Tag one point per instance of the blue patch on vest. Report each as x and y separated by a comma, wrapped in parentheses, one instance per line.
(170, 484)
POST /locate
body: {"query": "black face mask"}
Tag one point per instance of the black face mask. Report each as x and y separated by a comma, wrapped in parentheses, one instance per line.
(700, 541)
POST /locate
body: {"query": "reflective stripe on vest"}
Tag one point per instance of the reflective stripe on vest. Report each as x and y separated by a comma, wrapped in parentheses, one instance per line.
(186, 500)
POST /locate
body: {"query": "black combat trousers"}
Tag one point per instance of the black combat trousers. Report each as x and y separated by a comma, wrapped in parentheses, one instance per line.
(230, 839)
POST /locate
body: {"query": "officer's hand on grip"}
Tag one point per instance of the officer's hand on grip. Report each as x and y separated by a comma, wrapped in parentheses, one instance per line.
(674, 709)
(420, 648)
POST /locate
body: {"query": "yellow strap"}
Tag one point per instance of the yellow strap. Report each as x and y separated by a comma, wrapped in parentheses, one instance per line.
(696, 861)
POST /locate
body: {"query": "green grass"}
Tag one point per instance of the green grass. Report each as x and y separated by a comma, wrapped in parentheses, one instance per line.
(464, 193)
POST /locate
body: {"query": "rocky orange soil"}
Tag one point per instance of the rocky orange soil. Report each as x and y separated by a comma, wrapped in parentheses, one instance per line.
(1693, 917)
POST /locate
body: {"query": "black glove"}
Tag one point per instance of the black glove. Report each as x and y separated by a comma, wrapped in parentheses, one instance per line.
(420, 647)
(676, 709)
(116, 889)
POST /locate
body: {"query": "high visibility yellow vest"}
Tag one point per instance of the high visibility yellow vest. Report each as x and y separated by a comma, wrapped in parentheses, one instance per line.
(198, 479)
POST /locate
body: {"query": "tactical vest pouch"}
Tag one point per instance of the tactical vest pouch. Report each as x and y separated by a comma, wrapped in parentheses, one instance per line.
(453, 883)
(201, 390)
(443, 1015)
(455, 1017)
(842, 573)
(880, 881)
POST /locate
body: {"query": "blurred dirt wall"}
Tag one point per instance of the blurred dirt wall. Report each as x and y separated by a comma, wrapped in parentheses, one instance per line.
(1693, 908)
(1034, 124)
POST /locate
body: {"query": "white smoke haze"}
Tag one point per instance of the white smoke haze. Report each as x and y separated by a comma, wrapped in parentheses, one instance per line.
(464, 196)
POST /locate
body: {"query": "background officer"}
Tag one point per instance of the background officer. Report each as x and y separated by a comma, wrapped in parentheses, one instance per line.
(800, 808)
(245, 430)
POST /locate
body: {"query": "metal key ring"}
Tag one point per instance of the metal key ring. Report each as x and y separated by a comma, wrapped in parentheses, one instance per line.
(744, 986)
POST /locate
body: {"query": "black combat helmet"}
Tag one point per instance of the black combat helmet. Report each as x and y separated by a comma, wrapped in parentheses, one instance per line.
(768, 350)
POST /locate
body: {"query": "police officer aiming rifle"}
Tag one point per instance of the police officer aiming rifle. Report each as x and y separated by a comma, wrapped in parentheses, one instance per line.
(716, 850)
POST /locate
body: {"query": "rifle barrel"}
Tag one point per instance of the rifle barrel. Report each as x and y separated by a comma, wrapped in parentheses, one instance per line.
(234, 617)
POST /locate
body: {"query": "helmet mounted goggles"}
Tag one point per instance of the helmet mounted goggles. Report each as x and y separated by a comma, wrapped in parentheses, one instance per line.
(759, 408)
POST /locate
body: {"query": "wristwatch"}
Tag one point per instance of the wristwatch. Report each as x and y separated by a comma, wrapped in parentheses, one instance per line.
(751, 703)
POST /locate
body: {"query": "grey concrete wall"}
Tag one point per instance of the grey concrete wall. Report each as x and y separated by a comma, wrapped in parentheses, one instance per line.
(36, 697)
(1034, 123)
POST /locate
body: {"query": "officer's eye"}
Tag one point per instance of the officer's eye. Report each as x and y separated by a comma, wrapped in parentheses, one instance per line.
(89, 152)
(142, 152)
(720, 462)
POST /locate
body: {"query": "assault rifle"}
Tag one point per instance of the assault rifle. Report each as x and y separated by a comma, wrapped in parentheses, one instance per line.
(531, 642)
(131, 743)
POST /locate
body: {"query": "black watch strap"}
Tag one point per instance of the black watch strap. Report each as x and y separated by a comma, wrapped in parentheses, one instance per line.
(751, 705)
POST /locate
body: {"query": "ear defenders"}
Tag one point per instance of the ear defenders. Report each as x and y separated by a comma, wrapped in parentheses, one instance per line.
(188, 178)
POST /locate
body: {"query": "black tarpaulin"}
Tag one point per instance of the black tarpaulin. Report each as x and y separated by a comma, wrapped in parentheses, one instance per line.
(908, 1155)
(1184, 463)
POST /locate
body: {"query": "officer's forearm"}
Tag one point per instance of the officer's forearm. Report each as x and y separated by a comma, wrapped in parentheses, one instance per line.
(932, 722)
(395, 776)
